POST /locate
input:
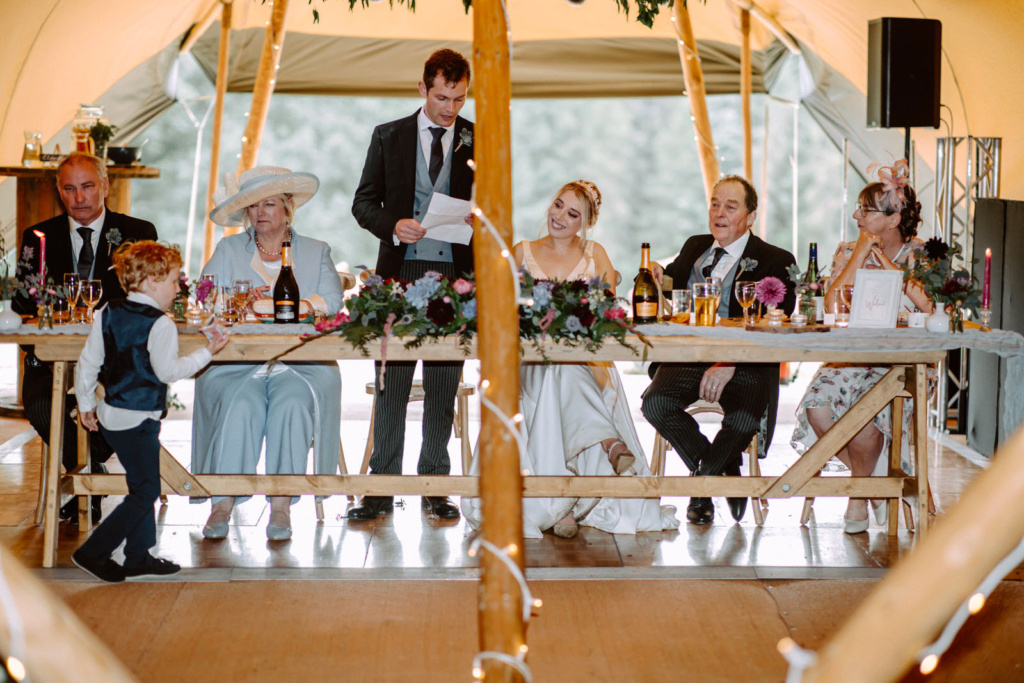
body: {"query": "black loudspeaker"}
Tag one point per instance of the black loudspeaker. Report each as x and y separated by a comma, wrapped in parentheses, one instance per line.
(904, 72)
(998, 225)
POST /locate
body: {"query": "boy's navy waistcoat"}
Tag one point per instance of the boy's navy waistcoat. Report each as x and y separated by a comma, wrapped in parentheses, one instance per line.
(127, 374)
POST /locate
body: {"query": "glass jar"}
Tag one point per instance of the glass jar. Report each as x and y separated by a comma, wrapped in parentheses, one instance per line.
(31, 155)
(81, 141)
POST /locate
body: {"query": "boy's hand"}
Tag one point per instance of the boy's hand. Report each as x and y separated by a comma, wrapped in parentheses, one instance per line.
(88, 420)
(217, 343)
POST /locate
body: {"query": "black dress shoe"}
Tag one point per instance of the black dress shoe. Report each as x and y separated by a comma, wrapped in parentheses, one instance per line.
(69, 511)
(104, 570)
(371, 508)
(440, 506)
(737, 506)
(153, 566)
(700, 511)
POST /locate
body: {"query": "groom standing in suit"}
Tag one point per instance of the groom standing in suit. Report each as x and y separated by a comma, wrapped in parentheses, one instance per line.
(408, 161)
(81, 241)
(743, 390)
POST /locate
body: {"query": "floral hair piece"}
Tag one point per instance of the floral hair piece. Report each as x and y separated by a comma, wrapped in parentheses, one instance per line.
(893, 179)
(593, 193)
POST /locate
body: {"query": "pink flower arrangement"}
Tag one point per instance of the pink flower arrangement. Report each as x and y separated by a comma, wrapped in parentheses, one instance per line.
(615, 314)
(203, 290)
(462, 286)
(330, 324)
(770, 291)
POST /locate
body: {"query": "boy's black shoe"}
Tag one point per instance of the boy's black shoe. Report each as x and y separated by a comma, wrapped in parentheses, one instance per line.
(69, 511)
(153, 566)
(104, 570)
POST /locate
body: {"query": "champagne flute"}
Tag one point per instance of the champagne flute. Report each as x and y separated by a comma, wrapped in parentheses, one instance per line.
(91, 292)
(745, 296)
(73, 283)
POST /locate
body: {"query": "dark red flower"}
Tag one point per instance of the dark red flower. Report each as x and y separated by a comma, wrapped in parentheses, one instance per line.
(585, 315)
(440, 312)
(936, 249)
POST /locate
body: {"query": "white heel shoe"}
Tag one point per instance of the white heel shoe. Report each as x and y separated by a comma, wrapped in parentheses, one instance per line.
(881, 512)
(856, 526)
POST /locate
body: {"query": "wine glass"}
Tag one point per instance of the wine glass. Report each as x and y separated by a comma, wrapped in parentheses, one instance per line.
(843, 313)
(745, 296)
(73, 283)
(91, 291)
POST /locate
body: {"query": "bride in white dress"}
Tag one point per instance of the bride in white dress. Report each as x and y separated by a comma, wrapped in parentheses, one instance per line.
(576, 419)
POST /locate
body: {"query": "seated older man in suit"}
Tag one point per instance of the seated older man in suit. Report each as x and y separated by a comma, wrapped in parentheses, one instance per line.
(743, 390)
(81, 240)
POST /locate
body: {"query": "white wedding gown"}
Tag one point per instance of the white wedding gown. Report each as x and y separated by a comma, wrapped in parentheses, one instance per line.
(568, 410)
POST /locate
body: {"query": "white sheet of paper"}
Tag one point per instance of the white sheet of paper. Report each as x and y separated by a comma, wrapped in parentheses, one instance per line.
(446, 219)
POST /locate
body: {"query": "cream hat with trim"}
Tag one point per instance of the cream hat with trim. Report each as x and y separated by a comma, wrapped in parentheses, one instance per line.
(258, 184)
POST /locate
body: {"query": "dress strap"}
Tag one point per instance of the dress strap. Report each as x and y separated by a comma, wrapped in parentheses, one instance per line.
(531, 263)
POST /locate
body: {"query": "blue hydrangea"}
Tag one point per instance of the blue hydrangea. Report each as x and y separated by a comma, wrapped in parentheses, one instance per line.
(419, 293)
(541, 295)
(469, 310)
(573, 324)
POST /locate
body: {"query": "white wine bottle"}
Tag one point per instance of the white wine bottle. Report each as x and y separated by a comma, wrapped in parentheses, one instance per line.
(645, 290)
(286, 290)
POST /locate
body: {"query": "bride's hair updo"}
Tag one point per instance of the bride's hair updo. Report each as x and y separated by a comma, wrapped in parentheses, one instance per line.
(590, 204)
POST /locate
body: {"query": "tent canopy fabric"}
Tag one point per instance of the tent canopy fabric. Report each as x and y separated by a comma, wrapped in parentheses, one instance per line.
(56, 54)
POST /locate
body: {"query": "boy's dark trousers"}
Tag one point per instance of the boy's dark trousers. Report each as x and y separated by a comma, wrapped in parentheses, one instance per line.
(133, 520)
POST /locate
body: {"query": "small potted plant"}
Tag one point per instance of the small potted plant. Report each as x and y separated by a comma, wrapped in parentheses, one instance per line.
(101, 134)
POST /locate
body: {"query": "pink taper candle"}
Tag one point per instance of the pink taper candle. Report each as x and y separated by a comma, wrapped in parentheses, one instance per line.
(988, 279)
(42, 251)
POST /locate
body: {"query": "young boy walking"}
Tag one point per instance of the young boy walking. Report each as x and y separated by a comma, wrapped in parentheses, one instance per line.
(133, 348)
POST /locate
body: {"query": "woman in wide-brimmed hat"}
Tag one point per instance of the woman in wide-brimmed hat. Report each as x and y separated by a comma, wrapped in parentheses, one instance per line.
(289, 405)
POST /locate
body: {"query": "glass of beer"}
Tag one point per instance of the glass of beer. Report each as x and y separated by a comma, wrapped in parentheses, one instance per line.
(680, 305)
(705, 303)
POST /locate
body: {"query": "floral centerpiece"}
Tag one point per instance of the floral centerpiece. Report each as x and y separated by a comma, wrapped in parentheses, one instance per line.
(949, 287)
(805, 292)
(39, 287)
(574, 313)
(771, 292)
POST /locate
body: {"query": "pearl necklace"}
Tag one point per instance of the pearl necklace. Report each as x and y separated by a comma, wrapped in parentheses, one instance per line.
(270, 253)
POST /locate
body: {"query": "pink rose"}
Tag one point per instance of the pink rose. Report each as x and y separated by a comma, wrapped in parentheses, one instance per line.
(615, 314)
(328, 325)
(462, 286)
(584, 301)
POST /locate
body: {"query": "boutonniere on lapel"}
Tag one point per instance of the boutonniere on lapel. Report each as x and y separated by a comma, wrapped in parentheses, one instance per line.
(113, 239)
(465, 138)
(746, 265)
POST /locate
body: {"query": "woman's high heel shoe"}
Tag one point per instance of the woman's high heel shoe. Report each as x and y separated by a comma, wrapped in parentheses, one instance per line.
(856, 526)
(565, 530)
(621, 461)
(881, 512)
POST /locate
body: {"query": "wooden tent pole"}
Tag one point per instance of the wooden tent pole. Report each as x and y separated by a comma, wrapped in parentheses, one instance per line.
(769, 22)
(218, 120)
(54, 645)
(263, 88)
(501, 624)
(693, 75)
(918, 597)
(746, 86)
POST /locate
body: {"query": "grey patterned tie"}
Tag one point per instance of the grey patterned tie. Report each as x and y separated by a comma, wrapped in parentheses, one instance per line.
(708, 269)
(86, 255)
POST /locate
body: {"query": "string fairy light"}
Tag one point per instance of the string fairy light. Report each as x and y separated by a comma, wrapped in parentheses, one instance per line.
(928, 657)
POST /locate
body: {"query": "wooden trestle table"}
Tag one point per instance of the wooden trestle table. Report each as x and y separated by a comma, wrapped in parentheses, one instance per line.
(906, 379)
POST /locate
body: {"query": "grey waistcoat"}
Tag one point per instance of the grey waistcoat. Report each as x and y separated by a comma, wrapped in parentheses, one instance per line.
(427, 249)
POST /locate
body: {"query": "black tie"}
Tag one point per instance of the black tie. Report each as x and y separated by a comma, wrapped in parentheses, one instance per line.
(436, 154)
(708, 269)
(86, 255)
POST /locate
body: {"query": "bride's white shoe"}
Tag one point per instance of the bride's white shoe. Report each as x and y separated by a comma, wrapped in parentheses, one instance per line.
(621, 459)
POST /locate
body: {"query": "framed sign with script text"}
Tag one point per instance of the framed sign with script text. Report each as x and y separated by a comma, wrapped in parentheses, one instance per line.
(876, 298)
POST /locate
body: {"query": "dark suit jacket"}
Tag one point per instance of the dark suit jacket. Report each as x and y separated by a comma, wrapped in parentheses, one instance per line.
(387, 188)
(771, 261)
(60, 258)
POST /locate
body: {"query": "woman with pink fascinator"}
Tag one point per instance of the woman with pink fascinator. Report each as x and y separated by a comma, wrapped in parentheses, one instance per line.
(576, 420)
(887, 216)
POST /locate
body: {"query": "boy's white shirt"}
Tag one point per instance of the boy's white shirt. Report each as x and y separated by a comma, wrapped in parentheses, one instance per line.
(163, 356)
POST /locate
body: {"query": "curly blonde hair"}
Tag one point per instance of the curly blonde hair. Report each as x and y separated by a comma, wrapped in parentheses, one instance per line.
(136, 261)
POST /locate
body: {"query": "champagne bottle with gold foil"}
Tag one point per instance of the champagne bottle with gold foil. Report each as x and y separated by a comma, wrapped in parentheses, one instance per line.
(286, 290)
(645, 290)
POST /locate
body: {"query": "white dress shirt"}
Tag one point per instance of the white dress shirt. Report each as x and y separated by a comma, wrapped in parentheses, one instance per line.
(76, 238)
(732, 254)
(427, 138)
(163, 356)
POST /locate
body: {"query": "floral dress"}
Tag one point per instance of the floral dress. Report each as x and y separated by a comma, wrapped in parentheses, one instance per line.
(838, 386)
